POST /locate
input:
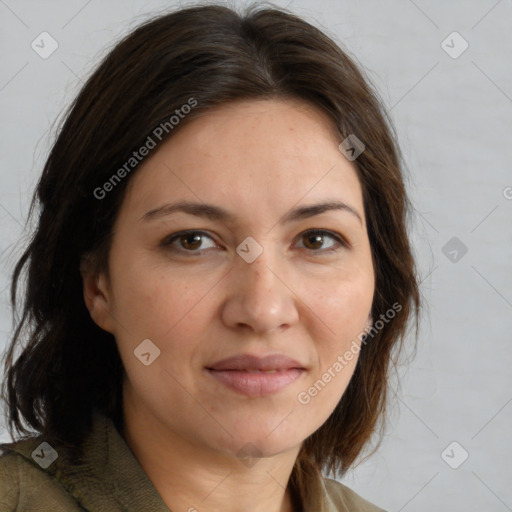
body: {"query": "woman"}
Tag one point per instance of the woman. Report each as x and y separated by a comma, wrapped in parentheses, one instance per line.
(219, 274)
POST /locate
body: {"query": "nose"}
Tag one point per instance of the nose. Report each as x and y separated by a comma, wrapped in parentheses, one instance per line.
(260, 298)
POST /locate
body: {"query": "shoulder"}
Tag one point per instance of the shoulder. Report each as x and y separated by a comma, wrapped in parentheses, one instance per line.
(345, 499)
(9, 481)
(26, 486)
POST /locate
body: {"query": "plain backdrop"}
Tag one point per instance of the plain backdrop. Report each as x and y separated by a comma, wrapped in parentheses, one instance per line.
(452, 108)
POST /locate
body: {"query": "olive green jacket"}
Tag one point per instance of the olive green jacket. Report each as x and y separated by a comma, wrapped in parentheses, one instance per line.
(35, 477)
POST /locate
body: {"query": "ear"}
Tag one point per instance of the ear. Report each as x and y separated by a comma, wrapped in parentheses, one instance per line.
(97, 296)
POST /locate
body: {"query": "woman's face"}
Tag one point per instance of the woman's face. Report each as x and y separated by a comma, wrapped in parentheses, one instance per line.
(252, 282)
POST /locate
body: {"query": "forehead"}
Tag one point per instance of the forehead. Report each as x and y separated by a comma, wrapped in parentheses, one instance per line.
(259, 153)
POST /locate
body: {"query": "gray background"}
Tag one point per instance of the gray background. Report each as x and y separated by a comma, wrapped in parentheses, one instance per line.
(454, 120)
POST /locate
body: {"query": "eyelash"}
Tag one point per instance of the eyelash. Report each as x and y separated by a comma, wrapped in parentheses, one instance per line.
(168, 241)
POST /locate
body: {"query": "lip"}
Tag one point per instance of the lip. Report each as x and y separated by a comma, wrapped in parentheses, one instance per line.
(251, 362)
(256, 376)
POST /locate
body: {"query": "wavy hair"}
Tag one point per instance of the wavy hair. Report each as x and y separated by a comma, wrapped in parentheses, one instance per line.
(60, 366)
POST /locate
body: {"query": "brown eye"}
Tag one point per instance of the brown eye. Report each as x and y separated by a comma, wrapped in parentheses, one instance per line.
(188, 241)
(315, 239)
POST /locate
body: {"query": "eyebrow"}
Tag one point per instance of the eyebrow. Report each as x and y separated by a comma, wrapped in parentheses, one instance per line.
(216, 213)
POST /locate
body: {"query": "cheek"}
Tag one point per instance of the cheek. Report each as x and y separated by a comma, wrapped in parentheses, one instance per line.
(153, 298)
(342, 305)
(340, 317)
(171, 310)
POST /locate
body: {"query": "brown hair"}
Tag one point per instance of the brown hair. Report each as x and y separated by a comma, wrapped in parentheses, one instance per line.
(69, 366)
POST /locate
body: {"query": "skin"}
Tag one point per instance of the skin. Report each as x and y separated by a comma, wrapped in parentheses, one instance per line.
(258, 160)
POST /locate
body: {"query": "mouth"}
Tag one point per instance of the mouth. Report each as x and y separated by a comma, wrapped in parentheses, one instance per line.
(255, 376)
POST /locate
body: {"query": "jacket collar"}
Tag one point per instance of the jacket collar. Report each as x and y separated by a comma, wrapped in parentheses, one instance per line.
(109, 476)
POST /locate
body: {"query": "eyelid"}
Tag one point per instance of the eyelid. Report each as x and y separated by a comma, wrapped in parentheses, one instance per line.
(168, 240)
(338, 237)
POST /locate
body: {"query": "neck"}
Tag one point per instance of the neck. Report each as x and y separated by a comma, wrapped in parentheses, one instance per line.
(192, 478)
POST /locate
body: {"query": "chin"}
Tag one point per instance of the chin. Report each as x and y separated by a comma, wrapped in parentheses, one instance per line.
(253, 442)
